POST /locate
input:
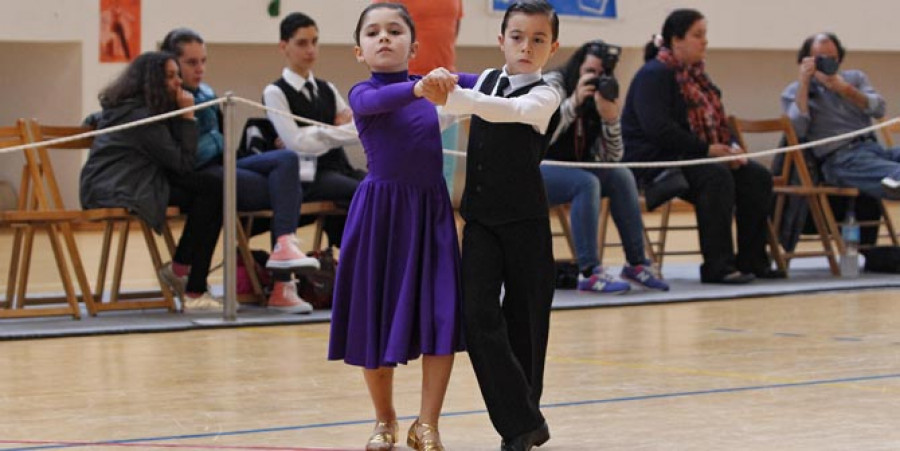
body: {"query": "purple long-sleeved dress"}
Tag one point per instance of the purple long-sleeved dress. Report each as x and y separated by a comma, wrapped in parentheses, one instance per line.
(397, 291)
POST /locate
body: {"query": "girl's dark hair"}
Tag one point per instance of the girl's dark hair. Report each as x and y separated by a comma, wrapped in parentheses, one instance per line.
(293, 22)
(571, 69)
(532, 7)
(676, 26)
(176, 38)
(404, 14)
(145, 80)
(806, 48)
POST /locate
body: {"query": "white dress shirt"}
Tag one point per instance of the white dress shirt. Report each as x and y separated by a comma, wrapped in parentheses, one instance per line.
(535, 108)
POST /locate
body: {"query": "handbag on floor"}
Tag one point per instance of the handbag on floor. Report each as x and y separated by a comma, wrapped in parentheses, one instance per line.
(317, 287)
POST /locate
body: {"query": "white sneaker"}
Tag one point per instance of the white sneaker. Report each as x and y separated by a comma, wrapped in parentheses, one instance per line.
(891, 187)
(204, 303)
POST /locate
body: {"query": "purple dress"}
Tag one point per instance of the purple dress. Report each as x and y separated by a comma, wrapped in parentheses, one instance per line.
(397, 291)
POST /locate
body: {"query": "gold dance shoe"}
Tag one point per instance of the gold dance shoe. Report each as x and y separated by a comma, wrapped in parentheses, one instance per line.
(383, 436)
(424, 437)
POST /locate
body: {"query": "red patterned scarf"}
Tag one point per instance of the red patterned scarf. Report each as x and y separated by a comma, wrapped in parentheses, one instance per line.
(705, 112)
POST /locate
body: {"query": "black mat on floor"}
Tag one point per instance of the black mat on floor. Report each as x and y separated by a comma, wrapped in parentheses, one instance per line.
(684, 280)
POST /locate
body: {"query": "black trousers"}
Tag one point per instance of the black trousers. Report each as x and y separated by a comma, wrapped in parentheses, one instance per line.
(718, 194)
(200, 196)
(507, 342)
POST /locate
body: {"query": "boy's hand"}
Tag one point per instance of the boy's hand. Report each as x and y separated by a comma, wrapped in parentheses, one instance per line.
(343, 117)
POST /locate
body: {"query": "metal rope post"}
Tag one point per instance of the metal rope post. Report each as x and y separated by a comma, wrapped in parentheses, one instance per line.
(229, 209)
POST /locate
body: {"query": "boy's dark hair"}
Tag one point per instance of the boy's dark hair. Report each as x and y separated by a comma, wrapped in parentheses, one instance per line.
(174, 40)
(293, 22)
(806, 48)
(676, 25)
(532, 7)
(144, 80)
(401, 9)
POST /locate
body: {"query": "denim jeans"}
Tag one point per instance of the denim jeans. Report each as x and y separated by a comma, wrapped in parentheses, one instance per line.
(269, 181)
(583, 188)
(863, 166)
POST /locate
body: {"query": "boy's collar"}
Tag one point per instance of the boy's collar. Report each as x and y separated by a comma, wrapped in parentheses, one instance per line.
(296, 80)
(519, 80)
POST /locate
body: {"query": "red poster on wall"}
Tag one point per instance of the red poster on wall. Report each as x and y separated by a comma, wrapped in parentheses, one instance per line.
(120, 30)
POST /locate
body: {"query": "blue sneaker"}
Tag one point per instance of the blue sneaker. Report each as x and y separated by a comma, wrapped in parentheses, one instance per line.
(645, 276)
(601, 282)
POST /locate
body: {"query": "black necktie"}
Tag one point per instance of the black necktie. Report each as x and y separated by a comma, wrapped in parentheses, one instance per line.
(501, 86)
(311, 90)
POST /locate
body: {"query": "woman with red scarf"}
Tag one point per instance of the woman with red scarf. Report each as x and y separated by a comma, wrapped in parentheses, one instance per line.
(673, 111)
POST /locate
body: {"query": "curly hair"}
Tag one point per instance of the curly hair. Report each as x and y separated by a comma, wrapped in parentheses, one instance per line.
(145, 80)
(571, 69)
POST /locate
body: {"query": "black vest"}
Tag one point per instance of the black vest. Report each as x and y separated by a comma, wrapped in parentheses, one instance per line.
(335, 159)
(503, 181)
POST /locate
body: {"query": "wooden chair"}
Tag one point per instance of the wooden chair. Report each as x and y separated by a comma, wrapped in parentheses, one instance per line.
(815, 195)
(655, 248)
(561, 213)
(33, 213)
(321, 209)
(115, 220)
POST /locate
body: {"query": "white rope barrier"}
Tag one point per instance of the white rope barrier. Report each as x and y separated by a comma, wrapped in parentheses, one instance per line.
(456, 153)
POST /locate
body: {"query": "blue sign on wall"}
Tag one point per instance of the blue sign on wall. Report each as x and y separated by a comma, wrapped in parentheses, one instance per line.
(580, 8)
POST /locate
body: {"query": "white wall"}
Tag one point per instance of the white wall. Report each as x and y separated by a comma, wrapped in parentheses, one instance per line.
(54, 45)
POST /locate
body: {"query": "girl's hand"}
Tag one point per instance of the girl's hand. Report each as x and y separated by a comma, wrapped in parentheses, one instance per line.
(584, 89)
(185, 99)
(607, 109)
(343, 117)
(441, 78)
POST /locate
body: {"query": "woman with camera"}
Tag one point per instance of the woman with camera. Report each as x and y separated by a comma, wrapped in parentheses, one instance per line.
(589, 131)
(673, 111)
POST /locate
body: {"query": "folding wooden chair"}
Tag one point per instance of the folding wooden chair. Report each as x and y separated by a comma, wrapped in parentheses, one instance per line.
(114, 220)
(815, 195)
(34, 213)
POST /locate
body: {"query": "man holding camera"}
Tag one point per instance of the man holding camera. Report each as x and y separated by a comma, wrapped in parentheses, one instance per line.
(825, 102)
(589, 131)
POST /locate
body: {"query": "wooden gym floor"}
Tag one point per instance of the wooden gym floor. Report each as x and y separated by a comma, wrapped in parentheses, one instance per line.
(812, 372)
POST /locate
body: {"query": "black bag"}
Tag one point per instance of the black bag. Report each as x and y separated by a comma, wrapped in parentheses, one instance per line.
(566, 275)
(317, 287)
(259, 136)
(882, 259)
(666, 185)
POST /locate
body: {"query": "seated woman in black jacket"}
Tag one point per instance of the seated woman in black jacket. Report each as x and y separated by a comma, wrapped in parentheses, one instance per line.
(673, 111)
(149, 167)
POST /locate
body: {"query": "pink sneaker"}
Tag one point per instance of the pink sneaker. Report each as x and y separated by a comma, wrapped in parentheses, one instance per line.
(287, 255)
(284, 299)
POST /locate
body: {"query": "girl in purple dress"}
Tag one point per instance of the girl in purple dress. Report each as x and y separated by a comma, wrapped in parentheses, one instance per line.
(397, 292)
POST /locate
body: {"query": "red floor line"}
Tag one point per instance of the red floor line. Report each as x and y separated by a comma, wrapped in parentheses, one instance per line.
(162, 445)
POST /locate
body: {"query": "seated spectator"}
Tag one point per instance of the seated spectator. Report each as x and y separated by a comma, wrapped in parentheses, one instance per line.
(826, 101)
(265, 181)
(673, 111)
(324, 169)
(147, 168)
(589, 131)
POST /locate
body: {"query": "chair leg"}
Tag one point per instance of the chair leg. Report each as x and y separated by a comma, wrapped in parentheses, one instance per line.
(170, 239)
(78, 268)
(22, 286)
(120, 262)
(157, 263)
(888, 224)
(249, 263)
(663, 231)
(775, 248)
(825, 234)
(320, 229)
(13, 274)
(833, 229)
(108, 231)
(562, 213)
(53, 234)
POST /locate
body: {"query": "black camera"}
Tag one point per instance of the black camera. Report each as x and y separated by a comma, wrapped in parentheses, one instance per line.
(606, 83)
(826, 65)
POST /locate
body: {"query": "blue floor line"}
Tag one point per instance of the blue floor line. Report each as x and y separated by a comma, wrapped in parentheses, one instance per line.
(474, 412)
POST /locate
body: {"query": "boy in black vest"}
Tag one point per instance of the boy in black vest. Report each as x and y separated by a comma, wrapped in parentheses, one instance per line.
(507, 242)
(325, 172)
